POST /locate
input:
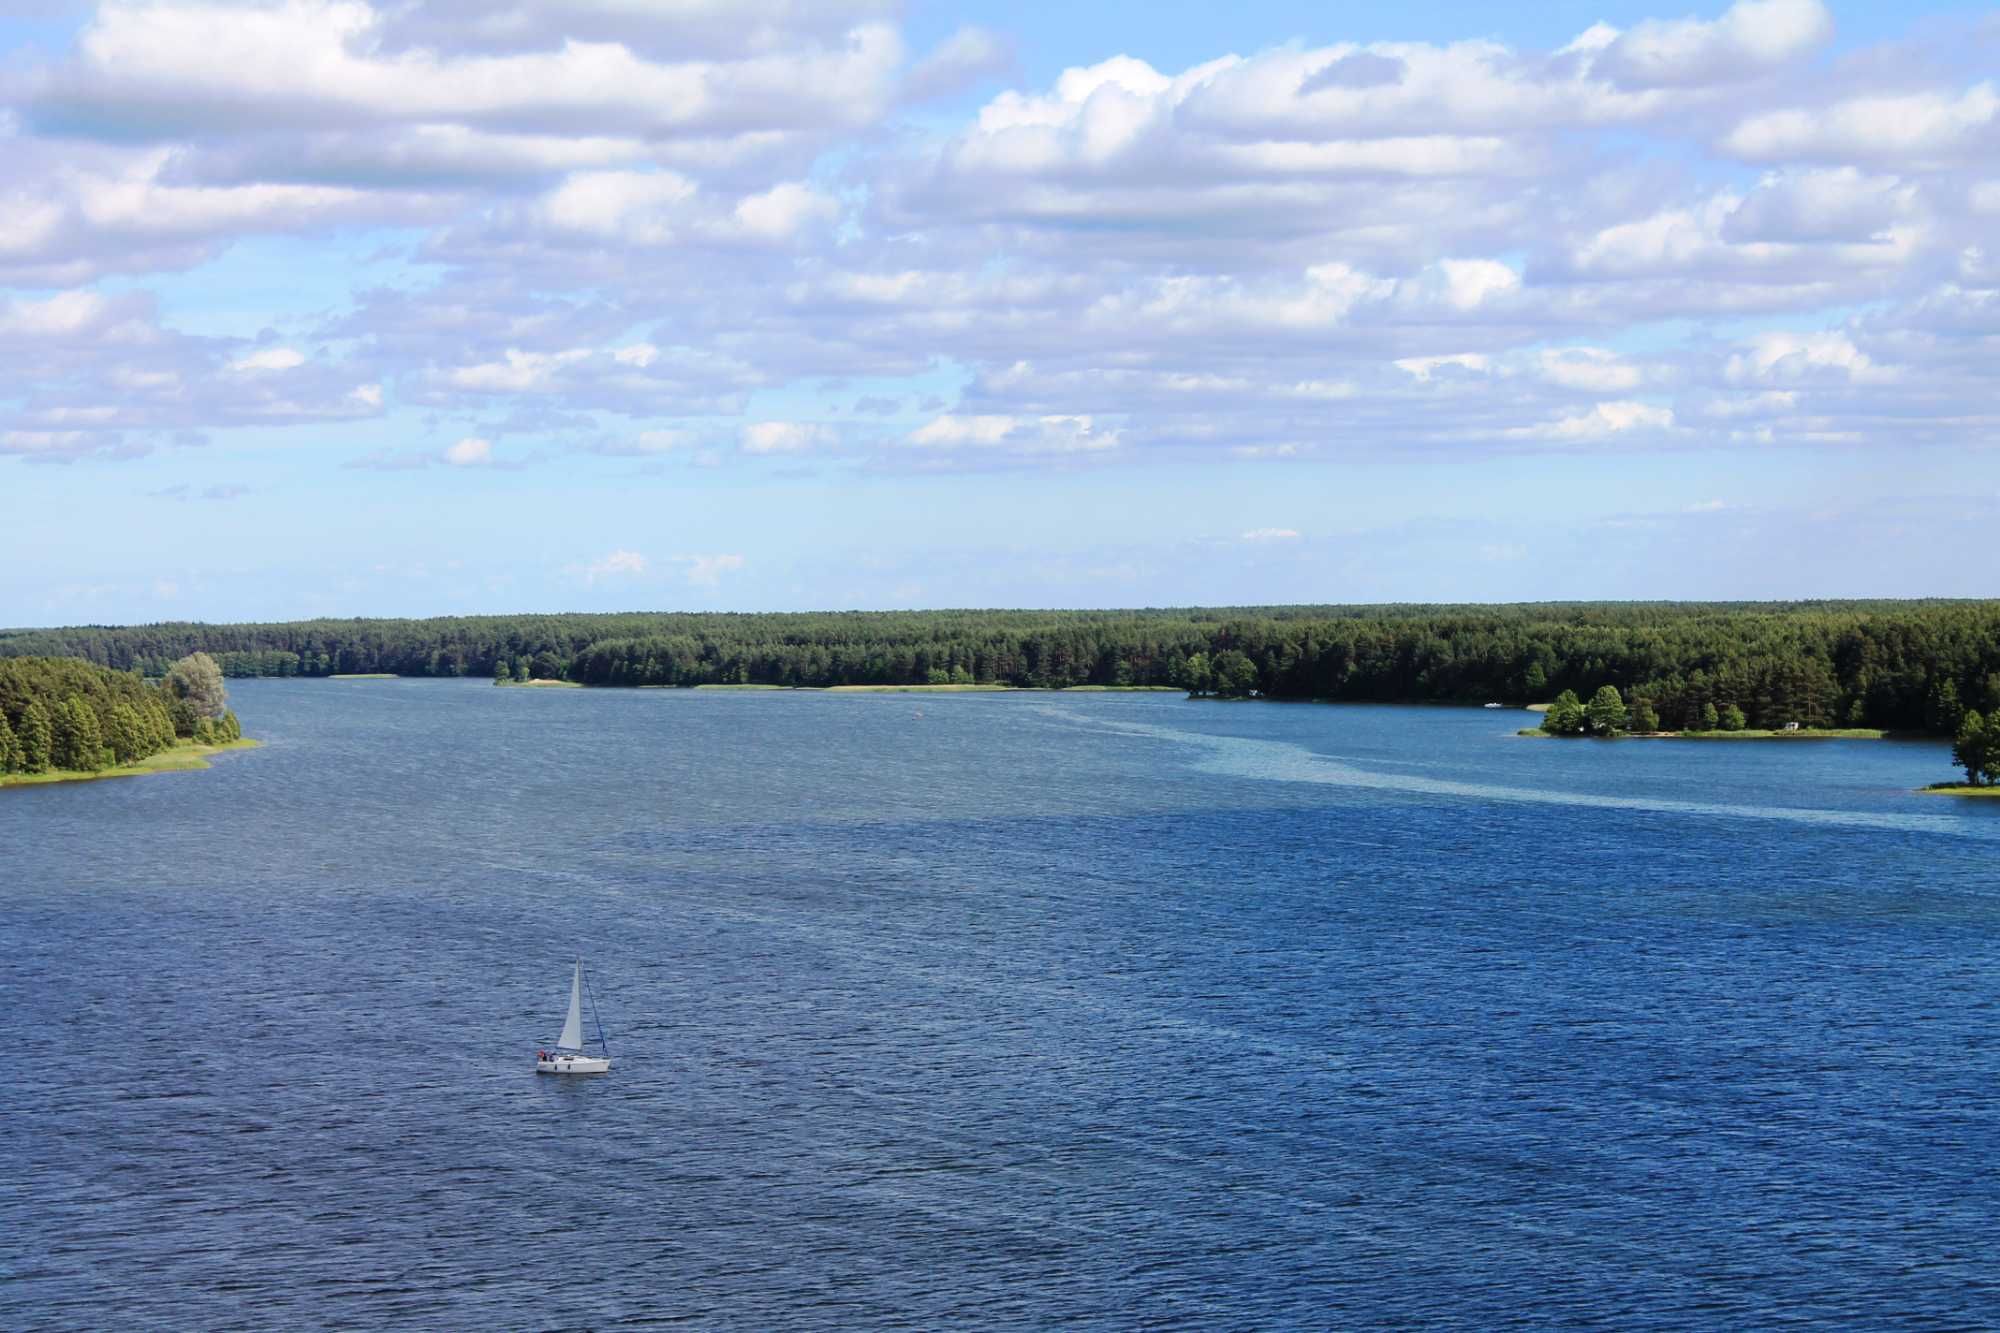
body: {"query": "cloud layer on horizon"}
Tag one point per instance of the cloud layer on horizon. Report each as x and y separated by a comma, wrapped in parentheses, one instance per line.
(721, 234)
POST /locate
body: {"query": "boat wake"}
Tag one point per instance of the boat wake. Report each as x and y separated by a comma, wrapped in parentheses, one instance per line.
(1285, 761)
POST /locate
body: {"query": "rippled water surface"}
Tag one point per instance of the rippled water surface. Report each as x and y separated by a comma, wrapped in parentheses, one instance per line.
(1032, 1010)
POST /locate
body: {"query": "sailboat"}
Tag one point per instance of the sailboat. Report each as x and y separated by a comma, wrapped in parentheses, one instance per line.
(568, 1056)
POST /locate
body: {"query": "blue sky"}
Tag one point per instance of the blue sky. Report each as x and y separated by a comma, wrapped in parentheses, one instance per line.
(327, 307)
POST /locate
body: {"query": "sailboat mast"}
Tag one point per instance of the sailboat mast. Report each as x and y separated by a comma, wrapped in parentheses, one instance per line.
(593, 1012)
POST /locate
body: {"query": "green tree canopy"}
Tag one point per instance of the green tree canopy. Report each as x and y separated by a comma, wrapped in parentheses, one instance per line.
(1565, 716)
(197, 679)
(37, 738)
(1976, 748)
(1606, 713)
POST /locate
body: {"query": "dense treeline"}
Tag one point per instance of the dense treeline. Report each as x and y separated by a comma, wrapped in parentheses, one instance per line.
(1904, 665)
(64, 714)
(69, 715)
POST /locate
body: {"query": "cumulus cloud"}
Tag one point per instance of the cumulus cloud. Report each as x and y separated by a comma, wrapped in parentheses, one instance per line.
(469, 452)
(1752, 36)
(1600, 421)
(618, 564)
(1014, 435)
(706, 231)
(269, 358)
(785, 437)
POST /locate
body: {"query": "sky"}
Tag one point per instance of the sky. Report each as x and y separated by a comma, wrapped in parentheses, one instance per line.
(431, 307)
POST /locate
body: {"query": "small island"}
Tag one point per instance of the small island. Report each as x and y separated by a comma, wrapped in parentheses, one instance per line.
(63, 720)
(1607, 715)
(1976, 749)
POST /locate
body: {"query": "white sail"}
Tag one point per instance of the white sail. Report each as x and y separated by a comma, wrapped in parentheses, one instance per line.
(572, 1033)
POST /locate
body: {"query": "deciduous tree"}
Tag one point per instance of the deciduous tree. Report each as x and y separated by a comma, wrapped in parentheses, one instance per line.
(1606, 713)
(197, 679)
(1976, 748)
(1565, 716)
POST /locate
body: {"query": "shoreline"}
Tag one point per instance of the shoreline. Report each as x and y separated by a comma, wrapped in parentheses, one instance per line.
(184, 758)
(1959, 789)
(1747, 734)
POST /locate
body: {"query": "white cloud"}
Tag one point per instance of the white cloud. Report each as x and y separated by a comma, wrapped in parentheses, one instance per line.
(1928, 128)
(619, 564)
(706, 571)
(1588, 370)
(785, 437)
(955, 63)
(1423, 367)
(469, 452)
(781, 211)
(60, 315)
(633, 229)
(517, 372)
(1785, 357)
(1751, 36)
(1600, 421)
(1270, 535)
(1016, 435)
(1470, 283)
(269, 358)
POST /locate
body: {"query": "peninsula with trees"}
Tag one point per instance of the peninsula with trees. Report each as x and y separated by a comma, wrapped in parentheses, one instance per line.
(63, 720)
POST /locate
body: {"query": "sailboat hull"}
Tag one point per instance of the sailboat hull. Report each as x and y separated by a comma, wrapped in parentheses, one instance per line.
(579, 1064)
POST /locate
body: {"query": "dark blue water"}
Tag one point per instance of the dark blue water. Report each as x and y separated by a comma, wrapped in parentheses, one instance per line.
(1028, 1010)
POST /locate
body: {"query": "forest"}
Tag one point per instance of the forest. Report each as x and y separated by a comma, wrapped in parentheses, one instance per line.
(1904, 665)
(65, 715)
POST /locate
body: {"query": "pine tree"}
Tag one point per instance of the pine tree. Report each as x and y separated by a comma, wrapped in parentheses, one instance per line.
(37, 738)
(123, 733)
(79, 738)
(10, 748)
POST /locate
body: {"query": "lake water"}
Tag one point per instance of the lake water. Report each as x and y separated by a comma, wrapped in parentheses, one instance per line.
(1007, 1010)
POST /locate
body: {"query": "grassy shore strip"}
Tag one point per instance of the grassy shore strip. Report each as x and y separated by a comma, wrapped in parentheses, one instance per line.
(1958, 789)
(916, 689)
(1747, 734)
(540, 684)
(718, 687)
(180, 759)
(365, 675)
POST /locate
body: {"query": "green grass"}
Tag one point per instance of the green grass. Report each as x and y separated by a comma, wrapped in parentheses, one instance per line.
(365, 675)
(1959, 789)
(1747, 734)
(1758, 734)
(540, 684)
(914, 689)
(180, 759)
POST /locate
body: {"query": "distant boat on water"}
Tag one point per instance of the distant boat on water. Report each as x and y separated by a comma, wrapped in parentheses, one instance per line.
(569, 1056)
(1495, 705)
